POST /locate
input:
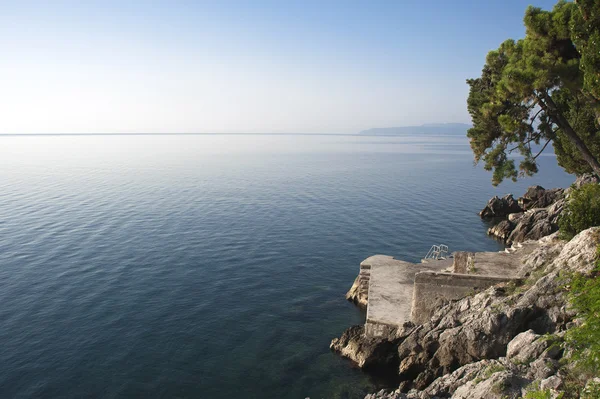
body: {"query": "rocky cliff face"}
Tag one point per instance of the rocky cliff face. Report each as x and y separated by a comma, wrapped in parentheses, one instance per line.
(491, 344)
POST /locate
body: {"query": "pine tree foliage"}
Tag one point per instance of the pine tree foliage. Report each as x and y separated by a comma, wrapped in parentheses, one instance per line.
(540, 90)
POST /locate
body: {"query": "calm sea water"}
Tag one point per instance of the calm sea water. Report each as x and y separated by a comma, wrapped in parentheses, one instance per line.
(213, 266)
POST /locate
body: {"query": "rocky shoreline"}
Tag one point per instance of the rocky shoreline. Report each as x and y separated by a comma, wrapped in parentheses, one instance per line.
(497, 342)
(532, 216)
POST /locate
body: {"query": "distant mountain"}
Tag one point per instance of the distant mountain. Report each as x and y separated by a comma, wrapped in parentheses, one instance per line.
(451, 129)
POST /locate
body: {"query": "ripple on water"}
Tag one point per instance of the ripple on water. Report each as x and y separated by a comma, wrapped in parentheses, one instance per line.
(185, 270)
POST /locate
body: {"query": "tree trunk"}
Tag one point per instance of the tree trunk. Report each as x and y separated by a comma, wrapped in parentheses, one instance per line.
(562, 122)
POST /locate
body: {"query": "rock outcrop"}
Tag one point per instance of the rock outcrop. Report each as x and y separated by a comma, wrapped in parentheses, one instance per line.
(503, 229)
(359, 292)
(500, 207)
(532, 225)
(536, 217)
(370, 352)
(539, 197)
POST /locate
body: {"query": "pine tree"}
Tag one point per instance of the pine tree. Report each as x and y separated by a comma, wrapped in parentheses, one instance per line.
(538, 90)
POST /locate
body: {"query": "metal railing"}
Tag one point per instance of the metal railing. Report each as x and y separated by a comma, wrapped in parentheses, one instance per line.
(437, 252)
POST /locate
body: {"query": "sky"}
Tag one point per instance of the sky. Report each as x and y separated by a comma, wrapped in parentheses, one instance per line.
(243, 66)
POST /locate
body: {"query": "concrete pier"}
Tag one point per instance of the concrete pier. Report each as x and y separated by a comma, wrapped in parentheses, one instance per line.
(400, 291)
(391, 286)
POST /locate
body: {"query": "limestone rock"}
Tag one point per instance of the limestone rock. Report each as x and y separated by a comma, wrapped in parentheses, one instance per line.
(533, 225)
(447, 384)
(463, 332)
(525, 347)
(586, 178)
(366, 352)
(531, 195)
(359, 292)
(542, 368)
(500, 207)
(383, 394)
(538, 197)
(546, 251)
(500, 385)
(502, 230)
(579, 254)
(515, 217)
(553, 382)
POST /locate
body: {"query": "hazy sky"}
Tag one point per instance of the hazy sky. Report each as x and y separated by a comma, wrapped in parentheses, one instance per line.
(243, 66)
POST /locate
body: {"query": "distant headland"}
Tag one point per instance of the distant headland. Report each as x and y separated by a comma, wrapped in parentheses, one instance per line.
(451, 129)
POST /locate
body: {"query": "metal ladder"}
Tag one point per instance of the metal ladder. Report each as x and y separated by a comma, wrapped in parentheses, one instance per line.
(437, 252)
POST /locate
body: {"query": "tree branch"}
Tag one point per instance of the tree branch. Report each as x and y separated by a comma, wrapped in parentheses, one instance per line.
(535, 117)
(542, 150)
(534, 137)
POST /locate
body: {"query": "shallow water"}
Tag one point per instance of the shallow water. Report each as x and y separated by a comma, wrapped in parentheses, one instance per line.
(210, 266)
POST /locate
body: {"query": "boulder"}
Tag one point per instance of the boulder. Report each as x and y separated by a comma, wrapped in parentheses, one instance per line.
(500, 385)
(534, 225)
(553, 383)
(500, 207)
(533, 193)
(579, 255)
(538, 197)
(366, 352)
(502, 230)
(525, 347)
(463, 332)
(447, 384)
(542, 368)
(515, 217)
(555, 210)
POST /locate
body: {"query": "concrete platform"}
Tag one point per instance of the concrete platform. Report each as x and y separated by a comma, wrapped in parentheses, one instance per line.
(497, 264)
(391, 288)
(396, 291)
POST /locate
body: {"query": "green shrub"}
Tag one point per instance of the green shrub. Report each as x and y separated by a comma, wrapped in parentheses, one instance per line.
(581, 212)
(584, 340)
(540, 394)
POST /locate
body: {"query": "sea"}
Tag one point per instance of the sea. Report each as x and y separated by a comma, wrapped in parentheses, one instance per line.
(212, 266)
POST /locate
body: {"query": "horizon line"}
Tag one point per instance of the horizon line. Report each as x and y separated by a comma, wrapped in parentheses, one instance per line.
(178, 134)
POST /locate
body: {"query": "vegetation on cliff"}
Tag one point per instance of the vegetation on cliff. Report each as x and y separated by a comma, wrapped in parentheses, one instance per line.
(581, 211)
(540, 89)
